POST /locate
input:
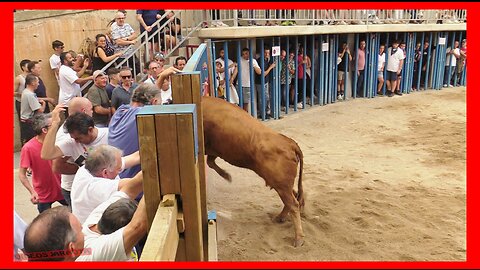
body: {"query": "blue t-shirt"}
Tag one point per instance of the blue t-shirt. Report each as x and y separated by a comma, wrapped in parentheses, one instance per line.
(109, 88)
(122, 133)
(149, 16)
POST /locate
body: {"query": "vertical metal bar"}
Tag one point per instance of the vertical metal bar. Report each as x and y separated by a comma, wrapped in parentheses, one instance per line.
(321, 71)
(226, 70)
(239, 74)
(295, 93)
(328, 69)
(402, 81)
(262, 78)
(420, 63)
(287, 94)
(214, 81)
(386, 62)
(346, 76)
(312, 71)
(304, 92)
(252, 78)
(355, 75)
(456, 81)
(436, 60)
(335, 66)
(427, 73)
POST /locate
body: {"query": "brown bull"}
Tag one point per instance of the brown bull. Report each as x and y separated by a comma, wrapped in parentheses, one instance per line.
(238, 138)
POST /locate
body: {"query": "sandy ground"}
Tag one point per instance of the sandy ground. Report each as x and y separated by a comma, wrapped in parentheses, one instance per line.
(385, 179)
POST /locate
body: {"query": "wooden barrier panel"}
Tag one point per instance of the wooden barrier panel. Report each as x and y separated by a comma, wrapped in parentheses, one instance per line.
(186, 89)
(175, 147)
(162, 242)
(148, 159)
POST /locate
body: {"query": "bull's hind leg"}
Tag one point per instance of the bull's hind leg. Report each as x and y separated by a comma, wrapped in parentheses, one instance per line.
(211, 163)
(293, 207)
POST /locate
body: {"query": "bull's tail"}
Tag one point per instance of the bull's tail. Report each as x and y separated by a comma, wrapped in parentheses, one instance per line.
(300, 197)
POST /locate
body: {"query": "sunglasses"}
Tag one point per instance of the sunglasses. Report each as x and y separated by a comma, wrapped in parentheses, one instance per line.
(126, 77)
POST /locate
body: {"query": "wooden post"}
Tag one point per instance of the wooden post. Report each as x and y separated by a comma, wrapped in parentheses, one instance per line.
(148, 159)
(186, 89)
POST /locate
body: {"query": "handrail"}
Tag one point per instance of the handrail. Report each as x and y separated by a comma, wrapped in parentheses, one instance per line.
(148, 37)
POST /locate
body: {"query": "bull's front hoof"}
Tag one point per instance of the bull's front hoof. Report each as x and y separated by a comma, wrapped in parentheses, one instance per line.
(298, 242)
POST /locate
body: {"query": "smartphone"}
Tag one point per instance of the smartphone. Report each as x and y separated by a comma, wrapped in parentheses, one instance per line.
(80, 160)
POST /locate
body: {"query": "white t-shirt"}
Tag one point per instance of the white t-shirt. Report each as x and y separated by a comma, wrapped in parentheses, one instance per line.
(245, 66)
(100, 247)
(89, 191)
(68, 87)
(55, 63)
(73, 149)
(394, 60)
(381, 61)
(19, 227)
(166, 95)
(450, 56)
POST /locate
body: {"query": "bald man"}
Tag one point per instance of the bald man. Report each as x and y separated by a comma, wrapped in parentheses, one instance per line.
(65, 165)
(54, 235)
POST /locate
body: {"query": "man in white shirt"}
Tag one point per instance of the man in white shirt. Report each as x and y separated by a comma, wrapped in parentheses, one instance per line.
(394, 68)
(245, 68)
(69, 79)
(55, 62)
(95, 182)
(380, 68)
(451, 64)
(115, 226)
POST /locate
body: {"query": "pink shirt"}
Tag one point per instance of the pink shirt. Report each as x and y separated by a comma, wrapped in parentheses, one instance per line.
(361, 59)
(44, 181)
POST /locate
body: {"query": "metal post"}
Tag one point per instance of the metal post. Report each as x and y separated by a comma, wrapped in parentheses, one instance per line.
(304, 92)
(355, 75)
(287, 77)
(321, 72)
(335, 66)
(384, 87)
(239, 74)
(226, 71)
(420, 64)
(296, 75)
(214, 81)
(312, 71)
(252, 78)
(427, 73)
(262, 78)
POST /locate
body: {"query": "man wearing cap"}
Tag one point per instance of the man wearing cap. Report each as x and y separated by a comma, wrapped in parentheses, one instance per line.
(97, 94)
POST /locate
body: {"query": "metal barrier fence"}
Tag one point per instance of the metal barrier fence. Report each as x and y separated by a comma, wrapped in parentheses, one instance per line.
(244, 17)
(314, 63)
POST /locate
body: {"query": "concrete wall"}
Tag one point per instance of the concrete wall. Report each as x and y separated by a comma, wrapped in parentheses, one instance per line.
(34, 32)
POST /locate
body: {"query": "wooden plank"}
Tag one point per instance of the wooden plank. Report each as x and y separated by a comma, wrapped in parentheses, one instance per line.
(180, 221)
(192, 94)
(148, 160)
(189, 178)
(212, 241)
(181, 257)
(162, 241)
(167, 151)
(197, 100)
(178, 89)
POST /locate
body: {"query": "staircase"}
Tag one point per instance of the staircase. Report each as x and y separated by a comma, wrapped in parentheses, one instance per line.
(191, 22)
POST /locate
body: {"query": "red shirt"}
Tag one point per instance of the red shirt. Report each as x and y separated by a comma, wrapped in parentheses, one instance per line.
(44, 181)
(361, 59)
